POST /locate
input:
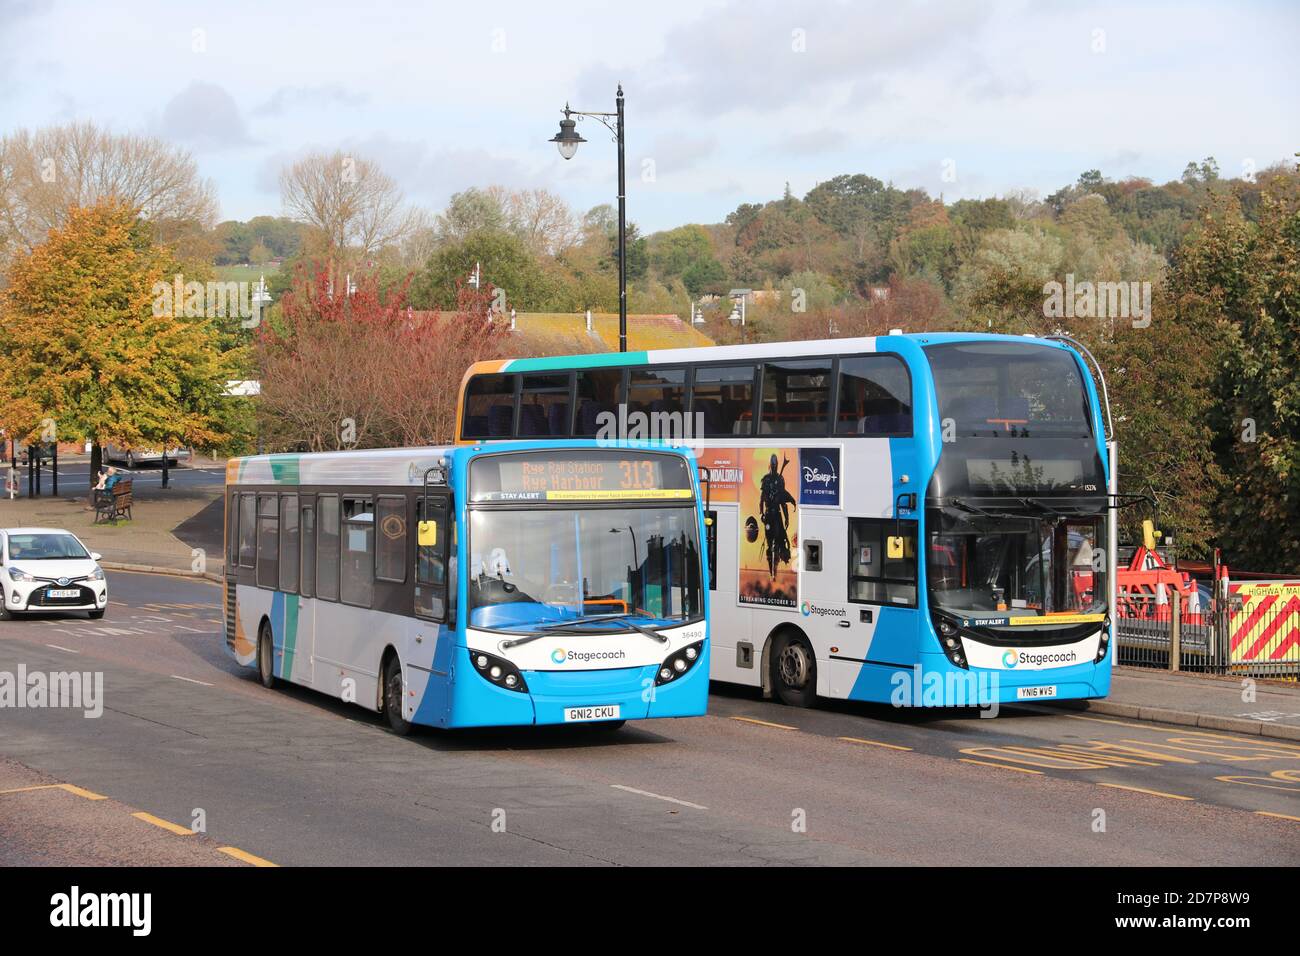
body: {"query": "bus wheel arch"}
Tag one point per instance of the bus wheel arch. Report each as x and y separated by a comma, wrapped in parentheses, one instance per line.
(266, 652)
(790, 667)
(391, 690)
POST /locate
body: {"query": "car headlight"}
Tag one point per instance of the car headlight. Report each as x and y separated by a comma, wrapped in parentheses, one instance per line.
(96, 575)
(17, 575)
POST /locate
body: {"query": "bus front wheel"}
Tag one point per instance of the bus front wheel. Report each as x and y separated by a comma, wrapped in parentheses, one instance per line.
(794, 670)
(393, 691)
(266, 655)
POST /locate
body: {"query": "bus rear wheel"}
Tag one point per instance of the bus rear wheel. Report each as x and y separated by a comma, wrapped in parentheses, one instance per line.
(794, 670)
(393, 691)
(266, 656)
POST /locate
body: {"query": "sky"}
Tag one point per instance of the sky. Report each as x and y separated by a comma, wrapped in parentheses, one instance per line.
(727, 101)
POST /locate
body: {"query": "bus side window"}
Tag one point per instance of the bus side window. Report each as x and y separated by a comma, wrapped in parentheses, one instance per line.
(232, 531)
(432, 545)
(327, 547)
(247, 530)
(268, 541)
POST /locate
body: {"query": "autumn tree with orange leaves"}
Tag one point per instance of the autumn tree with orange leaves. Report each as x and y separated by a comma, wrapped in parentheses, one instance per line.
(85, 354)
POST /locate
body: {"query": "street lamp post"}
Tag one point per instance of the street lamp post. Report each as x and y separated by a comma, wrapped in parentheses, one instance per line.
(567, 140)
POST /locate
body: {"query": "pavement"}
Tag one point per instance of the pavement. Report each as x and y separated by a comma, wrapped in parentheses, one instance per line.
(296, 777)
(167, 523)
(1268, 708)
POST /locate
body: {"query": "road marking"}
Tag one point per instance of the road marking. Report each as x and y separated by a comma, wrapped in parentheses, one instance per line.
(874, 743)
(239, 854)
(765, 723)
(658, 796)
(165, 824)
(1280, 816)
(60, 647)
(191, 680)
(1153, 793)
(66, 787)
(1000, 766)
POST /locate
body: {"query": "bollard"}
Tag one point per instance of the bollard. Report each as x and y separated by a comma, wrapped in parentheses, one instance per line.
(1175, 630)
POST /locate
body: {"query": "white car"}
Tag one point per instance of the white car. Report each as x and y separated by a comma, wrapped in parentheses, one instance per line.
(49, 569)
(138, 456)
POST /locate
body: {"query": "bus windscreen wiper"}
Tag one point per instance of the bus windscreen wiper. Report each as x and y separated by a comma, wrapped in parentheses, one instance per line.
(565, 627)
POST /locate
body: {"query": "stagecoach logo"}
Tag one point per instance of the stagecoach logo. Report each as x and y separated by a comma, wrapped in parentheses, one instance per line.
(561, 656)
(810, 609)
(558, 655)
(1010, 659)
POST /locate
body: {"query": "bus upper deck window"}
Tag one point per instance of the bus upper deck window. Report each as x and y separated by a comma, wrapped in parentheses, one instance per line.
(875, 397)
(489, 410)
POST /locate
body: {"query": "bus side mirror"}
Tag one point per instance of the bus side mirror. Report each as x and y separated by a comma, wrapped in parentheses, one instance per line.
(427, 534)
(894, 547)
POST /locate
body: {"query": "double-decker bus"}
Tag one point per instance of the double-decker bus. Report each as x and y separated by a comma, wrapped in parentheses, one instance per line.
(919, 519)
(540, 582)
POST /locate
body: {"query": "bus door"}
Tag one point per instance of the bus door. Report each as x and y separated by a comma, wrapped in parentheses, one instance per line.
(305, 657)
(432, 641)
(882, 622)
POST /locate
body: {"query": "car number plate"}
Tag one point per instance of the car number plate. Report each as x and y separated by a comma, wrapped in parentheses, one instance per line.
(1036, 693)
(62, 592)
(603, 712)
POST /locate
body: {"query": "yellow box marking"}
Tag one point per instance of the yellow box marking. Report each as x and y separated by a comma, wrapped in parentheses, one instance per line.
(1280, 816)
(165, 824)
(1000, 766)
(239, 854)
(66, 787)
(1153, 793)
(874, 743)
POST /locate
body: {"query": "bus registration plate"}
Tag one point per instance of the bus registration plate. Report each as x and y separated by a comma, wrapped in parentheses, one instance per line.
(603, 712)
(1036, 693)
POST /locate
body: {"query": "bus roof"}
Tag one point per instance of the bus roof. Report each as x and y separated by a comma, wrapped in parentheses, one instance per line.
(379, 466)
(757, 350)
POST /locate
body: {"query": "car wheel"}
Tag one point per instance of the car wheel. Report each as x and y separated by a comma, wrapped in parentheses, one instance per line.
(96, 615)
(266, 656)
(794, 670)
(394, 688)
(5, 613)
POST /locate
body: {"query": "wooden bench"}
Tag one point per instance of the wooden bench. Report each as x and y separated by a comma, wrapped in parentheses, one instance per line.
(114, 503)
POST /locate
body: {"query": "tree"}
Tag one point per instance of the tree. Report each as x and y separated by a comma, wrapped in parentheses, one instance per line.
(45, 173)
(86, 347)
(1248, 274)
(471, 211)
(353, 206)
(503, 260)
(362, 370)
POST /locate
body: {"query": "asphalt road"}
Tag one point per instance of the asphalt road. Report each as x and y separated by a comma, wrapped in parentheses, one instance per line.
(296, 778)
(74, 477)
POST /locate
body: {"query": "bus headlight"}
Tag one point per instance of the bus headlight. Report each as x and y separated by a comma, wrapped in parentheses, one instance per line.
(679, 663)
(1104, 644)
(497, 670)
(950, 640)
